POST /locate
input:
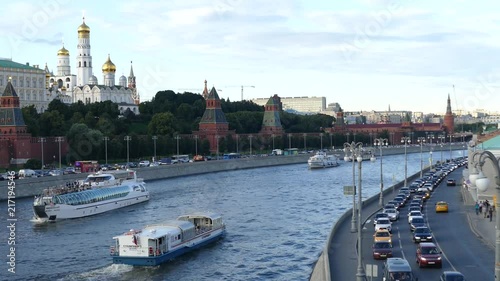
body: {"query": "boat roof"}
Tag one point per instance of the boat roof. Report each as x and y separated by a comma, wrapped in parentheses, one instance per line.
(196, 215)
(161, 229)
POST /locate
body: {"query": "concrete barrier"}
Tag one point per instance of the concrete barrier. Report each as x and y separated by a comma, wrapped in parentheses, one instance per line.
(28, 187)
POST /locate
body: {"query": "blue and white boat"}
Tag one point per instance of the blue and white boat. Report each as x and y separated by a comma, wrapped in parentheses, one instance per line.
(98, 193)
(159, 243)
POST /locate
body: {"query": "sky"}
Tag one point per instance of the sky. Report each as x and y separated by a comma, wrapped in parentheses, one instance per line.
(364, 54)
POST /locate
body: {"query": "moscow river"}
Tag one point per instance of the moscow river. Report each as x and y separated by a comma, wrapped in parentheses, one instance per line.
(278, 220)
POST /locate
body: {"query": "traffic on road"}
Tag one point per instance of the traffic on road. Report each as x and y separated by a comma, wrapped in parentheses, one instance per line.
(427, 237)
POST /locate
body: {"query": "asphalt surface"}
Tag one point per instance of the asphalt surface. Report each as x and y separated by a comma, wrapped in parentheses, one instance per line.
(466, 240)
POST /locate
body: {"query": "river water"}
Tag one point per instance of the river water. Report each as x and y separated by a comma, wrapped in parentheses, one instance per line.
(278, 220)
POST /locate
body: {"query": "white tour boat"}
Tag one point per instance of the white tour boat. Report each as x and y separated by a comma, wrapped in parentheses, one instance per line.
(159, 243)
(98, 193)
(322, 160)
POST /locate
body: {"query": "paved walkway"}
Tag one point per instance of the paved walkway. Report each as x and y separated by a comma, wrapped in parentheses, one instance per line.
(481, 226)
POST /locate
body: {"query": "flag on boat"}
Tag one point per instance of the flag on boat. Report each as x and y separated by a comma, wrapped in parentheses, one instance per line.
(134, 239)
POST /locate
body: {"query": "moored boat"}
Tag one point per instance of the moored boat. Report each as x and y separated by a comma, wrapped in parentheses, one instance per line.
(159, 243)
(98, 193)
(322, 160)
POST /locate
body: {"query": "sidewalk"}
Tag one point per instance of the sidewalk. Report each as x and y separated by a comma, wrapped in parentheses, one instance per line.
(481, 226)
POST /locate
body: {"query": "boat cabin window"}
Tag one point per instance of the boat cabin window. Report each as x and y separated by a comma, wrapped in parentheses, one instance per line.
(97, 179)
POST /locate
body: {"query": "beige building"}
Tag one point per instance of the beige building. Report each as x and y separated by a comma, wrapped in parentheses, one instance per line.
(304, 105)
(29, 82)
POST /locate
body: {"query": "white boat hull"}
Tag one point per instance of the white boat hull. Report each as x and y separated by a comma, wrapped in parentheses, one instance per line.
(321, 161)
(63, 211)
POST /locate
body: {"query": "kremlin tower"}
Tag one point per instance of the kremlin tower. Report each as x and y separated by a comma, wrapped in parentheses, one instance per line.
(449, 122)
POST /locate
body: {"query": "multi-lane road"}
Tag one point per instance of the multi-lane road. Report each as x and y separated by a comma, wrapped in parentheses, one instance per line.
(461, 249)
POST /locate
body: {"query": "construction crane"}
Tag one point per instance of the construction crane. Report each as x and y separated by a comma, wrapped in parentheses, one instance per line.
(242, 87)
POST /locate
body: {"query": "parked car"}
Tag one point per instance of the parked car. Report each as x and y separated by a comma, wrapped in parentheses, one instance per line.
(144, 163)
(27, 173)
(428, 255)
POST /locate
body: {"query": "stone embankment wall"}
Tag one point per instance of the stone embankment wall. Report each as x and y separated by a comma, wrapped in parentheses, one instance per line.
(33, 186)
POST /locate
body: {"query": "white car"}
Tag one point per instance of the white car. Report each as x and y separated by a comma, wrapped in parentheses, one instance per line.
(414, 214)
(144, 163)
(393, 214)
(383, 224)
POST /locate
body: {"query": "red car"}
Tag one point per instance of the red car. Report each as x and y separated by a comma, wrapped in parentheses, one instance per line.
(382, 250)
(428, 255)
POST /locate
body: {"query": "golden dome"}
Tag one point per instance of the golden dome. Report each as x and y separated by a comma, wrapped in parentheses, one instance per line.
(83, 30)
(63, 89)
(108, 66)
(63, 52)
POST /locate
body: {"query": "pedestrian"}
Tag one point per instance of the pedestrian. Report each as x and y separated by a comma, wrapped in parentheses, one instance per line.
(490, 214)
(476, 207)
(480, 207)
(486, 208)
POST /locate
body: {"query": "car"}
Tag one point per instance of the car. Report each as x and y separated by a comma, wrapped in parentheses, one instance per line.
(426, 196)
(379, 215)
(198, 158)
(144, 163)
(392, 213)
(55, 173)
(389, 206)
(414, 208)
(400, 201)
(415, 205)
(382, 250)
(452, 276)
(382, 235)
(422, 234)
(441, 207)
(383, 224)
(451, 182)
(428, 255)
(413, 214)
(416, 222)
(69, 170)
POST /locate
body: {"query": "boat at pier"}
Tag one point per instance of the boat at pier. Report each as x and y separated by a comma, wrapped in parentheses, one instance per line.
(159, 243)
(322, 160)
(98, 193)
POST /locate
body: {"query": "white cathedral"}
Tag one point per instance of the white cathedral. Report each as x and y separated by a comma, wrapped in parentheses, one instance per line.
(84, 86)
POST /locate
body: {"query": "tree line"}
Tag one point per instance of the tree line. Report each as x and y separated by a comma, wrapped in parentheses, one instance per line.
(93, 129)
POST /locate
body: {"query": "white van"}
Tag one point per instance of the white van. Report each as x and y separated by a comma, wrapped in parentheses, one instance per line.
(398, 269)
(26, 173)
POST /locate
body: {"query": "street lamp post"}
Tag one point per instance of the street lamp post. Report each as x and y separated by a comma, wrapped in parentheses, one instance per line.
(250, 137)
(128, 139)
(289, 141)
(421, 141)
(154, 147)
(177, 138)
(59, 140)
(356, 151)
(406, 141)
(305, 143)
(430, 137)
(106, 139)
(482, 184)
(380, 142)
(196, 137)
(441, 139)
(331, 139)
(237, 143)
(272, 136)
(451, 154)
(42, 140)
(321, 140)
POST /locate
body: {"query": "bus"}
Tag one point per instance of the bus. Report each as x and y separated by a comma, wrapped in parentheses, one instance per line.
(180, 159)
(86, 166)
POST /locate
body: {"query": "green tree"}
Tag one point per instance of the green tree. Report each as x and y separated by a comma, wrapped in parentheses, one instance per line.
(31, 116)
(162, 124)
(33, 164)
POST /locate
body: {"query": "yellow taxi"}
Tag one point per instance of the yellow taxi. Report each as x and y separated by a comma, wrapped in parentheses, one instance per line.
(441, 206)
(382, 235)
